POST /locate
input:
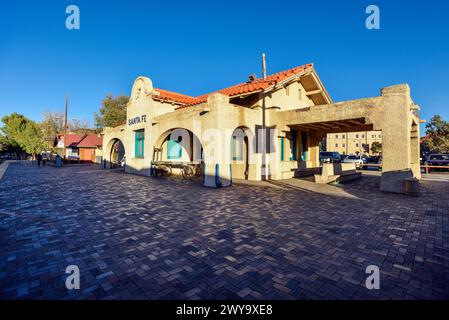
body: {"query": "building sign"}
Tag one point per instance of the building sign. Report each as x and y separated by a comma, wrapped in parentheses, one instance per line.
(137, 120)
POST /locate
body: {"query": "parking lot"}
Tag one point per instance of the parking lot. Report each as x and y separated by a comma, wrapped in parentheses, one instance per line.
(136, 237)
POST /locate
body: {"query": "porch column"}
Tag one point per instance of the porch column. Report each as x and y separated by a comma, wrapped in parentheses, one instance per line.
(217, 145)
(396, 138)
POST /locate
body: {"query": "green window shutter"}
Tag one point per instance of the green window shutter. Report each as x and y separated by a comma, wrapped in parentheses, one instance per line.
(136, 145)
(139, 143)
(282, 149)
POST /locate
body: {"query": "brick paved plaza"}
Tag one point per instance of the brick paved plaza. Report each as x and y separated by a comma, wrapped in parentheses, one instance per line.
(136, 237)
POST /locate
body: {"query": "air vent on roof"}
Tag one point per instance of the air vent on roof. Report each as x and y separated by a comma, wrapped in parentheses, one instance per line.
(252, 77)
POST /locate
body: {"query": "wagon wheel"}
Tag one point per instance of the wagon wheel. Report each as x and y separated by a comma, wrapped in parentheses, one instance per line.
(198, 170)
(166, 171)
(188, 172)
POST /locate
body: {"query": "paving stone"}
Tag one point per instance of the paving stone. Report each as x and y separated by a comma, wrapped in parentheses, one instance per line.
(136, 237)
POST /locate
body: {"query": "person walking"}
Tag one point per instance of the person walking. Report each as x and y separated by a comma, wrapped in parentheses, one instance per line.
(39, 159)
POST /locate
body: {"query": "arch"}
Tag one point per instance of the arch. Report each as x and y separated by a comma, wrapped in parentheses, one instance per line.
(114, 155)
(179, 144)
(242, 151)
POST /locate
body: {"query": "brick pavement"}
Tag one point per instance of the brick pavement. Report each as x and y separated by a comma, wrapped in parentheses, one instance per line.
(136, 237)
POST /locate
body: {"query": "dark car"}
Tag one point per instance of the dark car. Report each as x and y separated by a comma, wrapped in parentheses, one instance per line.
(437, 160)
(372, 163)
(330, 157)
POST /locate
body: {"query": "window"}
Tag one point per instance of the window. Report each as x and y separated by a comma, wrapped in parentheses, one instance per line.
(174, 149)
(380, 136)
(357, 145)
(356, 136)
(293, 145)
(373, 136)
(343, 136)
(139, 137)
(363, 136)
(344, 145)
(336, 145)
(282, 148)
(336, 136)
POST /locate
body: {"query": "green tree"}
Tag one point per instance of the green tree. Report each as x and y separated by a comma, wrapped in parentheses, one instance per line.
(20, 135)
(437, 131)
(14, 124)
(376, 147)
(32, 138)
(112, 112)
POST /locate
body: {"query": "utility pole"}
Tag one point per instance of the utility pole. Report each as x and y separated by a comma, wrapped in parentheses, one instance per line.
(65, 126)
(264, 127)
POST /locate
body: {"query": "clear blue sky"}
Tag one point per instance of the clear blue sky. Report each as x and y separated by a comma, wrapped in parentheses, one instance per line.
(195, 47)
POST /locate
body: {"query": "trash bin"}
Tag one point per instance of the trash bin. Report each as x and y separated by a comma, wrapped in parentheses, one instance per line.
(58, 162)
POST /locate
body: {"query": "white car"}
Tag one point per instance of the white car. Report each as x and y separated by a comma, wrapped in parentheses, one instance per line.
(359, 160)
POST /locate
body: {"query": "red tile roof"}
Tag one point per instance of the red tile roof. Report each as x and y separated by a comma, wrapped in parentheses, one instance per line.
(91, 141)
(165, 95)
(242, 88)
(77, 140)
(71, 139)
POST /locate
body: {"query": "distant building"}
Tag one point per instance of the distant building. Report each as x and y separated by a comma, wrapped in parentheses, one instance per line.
(86, 148)
(352, 142)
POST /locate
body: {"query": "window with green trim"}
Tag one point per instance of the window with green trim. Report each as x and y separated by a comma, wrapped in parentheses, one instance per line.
(282, 141)
(139, 142)
(174, 149)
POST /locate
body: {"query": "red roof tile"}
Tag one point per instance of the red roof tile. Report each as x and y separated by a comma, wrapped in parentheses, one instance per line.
(71, 139)
(242, 88)
(91, 141)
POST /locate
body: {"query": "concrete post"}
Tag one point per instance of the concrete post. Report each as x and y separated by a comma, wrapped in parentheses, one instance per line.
(396, 138)
(217, 168)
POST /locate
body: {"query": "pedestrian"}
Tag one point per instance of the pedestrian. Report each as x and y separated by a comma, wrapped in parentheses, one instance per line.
(39, 159)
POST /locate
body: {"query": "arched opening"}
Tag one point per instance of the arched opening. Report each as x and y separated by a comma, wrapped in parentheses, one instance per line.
(116, 157)
(179, 145)
(241, 152)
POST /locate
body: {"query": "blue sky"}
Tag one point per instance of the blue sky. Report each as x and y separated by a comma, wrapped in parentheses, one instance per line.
(194, 47)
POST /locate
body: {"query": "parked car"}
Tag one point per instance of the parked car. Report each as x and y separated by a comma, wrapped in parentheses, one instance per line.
(359, 160)
(330, 157)
(373, 163)
(437, 160)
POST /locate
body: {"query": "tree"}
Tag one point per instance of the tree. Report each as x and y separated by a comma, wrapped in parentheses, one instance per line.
(112, 112)
(376, 147)
(52, 123)
(21, 134)
(32, 138)
(437, 132)
(14, 124)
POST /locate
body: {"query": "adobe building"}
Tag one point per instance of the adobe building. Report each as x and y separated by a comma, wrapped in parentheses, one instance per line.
(265, 128)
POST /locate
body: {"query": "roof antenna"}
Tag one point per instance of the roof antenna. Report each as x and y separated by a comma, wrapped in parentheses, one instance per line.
(264, 67)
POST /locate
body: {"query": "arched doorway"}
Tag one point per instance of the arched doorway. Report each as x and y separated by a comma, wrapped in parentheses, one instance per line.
(179, 145)
(117, 157)
(241, 152)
